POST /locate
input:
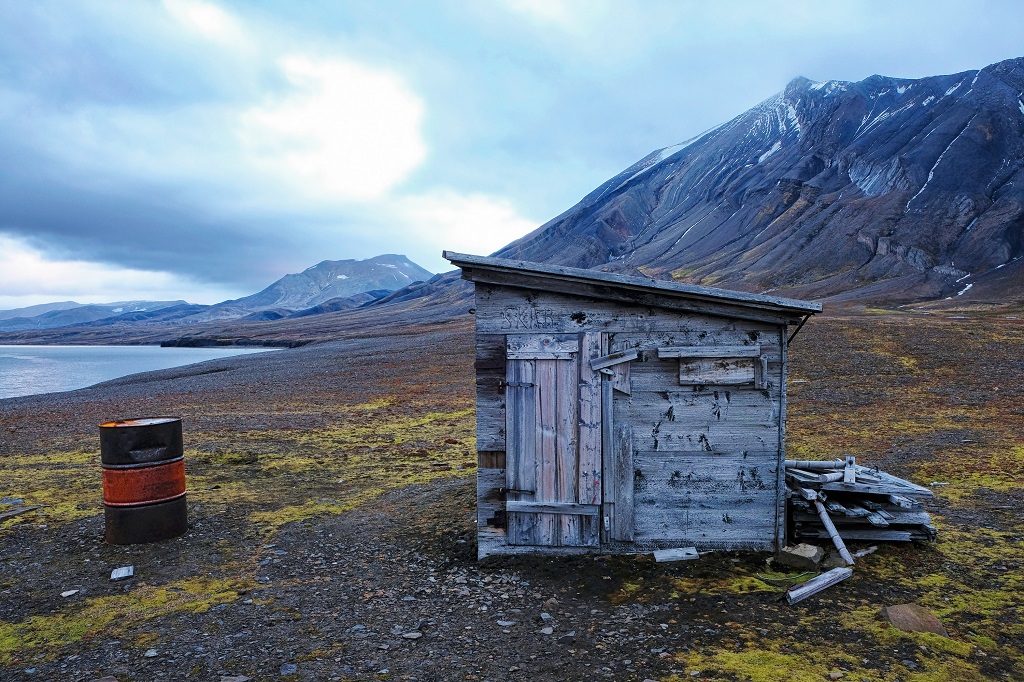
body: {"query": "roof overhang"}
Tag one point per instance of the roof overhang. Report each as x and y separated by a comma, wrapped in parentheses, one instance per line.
(635, 290)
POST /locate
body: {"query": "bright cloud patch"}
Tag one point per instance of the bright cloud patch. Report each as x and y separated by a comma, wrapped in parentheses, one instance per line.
(206, 19)
(27, 277)
(472, 223)
(345, 131)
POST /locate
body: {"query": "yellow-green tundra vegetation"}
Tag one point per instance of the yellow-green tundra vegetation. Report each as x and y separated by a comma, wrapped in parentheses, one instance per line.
(933, 400)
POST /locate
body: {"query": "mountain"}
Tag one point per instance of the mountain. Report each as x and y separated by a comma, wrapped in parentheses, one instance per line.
(33, 310)
(330, 279)
(890, 190)
(327, 287)
(63, 314)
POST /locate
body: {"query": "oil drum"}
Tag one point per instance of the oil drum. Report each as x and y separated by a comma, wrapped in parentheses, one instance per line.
(143, 465)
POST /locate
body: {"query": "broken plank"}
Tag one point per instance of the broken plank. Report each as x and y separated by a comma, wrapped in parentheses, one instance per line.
(518, 506)
(676, 554)
(833, 533)
(817, 584)
(21, 510)
(613, 359)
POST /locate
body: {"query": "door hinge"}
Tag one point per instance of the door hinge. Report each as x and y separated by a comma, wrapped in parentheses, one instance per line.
(514, 384)
(505, 491)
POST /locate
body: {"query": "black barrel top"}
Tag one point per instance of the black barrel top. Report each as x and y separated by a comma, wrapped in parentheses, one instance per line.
(140, 441)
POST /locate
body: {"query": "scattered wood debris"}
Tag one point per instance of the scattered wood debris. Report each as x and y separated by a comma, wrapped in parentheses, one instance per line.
(18, 510)
(844, 501)
(817, 584)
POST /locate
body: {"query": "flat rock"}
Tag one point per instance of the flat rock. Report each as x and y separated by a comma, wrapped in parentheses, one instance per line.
(913, 618)
(803, 556)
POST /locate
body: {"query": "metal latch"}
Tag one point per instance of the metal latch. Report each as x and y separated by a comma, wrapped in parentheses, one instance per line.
(504, 491)
(514, 384)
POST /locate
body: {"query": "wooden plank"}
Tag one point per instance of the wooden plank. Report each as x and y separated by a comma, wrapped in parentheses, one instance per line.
(781, 374)
(710, 351)
(651, 375)
(833, 533)
(502, 310)
(676, 554)
(815, 465)
(19, 510)
(490, 459)
(817, 584)
(548, 532)
(865, 534)
(702, 496)
(490, 410)
(608, 461)
(761, 373)
(622, 521)
(589, 437)
(566, 405)
(700, 527)
(544, 276)
(521, 454)
(541, 346)
(620, 378)
(716, 372)
(613, 359)
(561, 508)
(489, 498)
(490, 352)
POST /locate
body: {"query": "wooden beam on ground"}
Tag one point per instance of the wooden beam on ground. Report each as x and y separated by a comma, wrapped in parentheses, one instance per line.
(817, 584)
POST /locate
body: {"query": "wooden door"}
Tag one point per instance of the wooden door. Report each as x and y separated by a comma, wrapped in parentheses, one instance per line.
(544, 478)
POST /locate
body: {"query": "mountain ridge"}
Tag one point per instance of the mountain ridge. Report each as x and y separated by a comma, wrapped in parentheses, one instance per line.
(821, 191)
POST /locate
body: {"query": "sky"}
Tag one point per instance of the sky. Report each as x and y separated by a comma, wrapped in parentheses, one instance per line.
(202, 149)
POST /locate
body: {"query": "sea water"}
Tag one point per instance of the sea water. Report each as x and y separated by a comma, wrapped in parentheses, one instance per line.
(27, 370)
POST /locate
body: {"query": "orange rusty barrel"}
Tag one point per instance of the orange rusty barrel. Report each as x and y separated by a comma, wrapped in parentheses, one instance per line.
(143, 480)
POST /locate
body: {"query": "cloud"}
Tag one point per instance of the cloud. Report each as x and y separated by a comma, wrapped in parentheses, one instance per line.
(344, 131)
(28, 277)
(466, 223)
(207, 20)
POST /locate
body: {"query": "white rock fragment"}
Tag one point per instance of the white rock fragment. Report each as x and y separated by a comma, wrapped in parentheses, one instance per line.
(122, 573)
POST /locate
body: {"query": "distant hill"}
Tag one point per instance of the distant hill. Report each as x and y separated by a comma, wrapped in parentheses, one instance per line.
(69, 313)
(33, 310)
(326, 287)
(327, 280)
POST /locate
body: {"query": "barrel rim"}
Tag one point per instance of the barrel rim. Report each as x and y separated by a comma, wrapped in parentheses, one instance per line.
(142, 465)
(140, 421)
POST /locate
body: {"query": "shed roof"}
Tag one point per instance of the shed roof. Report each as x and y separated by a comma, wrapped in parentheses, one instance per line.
(637, 290)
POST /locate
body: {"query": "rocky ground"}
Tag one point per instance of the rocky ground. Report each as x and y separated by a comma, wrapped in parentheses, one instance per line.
(331, 503)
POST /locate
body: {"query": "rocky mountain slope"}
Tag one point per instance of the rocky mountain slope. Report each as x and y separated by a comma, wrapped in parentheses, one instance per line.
(326, 287)
(323, 282)
(889, 190)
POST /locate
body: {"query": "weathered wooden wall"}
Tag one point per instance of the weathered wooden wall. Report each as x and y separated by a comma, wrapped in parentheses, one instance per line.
(685, 462)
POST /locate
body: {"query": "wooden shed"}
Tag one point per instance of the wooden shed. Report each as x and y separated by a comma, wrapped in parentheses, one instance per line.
(624, 414)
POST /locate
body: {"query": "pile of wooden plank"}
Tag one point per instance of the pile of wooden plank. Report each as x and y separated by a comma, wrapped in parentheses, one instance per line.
(844, 501)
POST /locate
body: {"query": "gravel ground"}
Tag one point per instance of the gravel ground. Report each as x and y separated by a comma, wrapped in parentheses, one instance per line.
(388, 587)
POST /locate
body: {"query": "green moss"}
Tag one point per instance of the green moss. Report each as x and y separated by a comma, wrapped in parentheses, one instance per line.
(112, 616)
(69, 484)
